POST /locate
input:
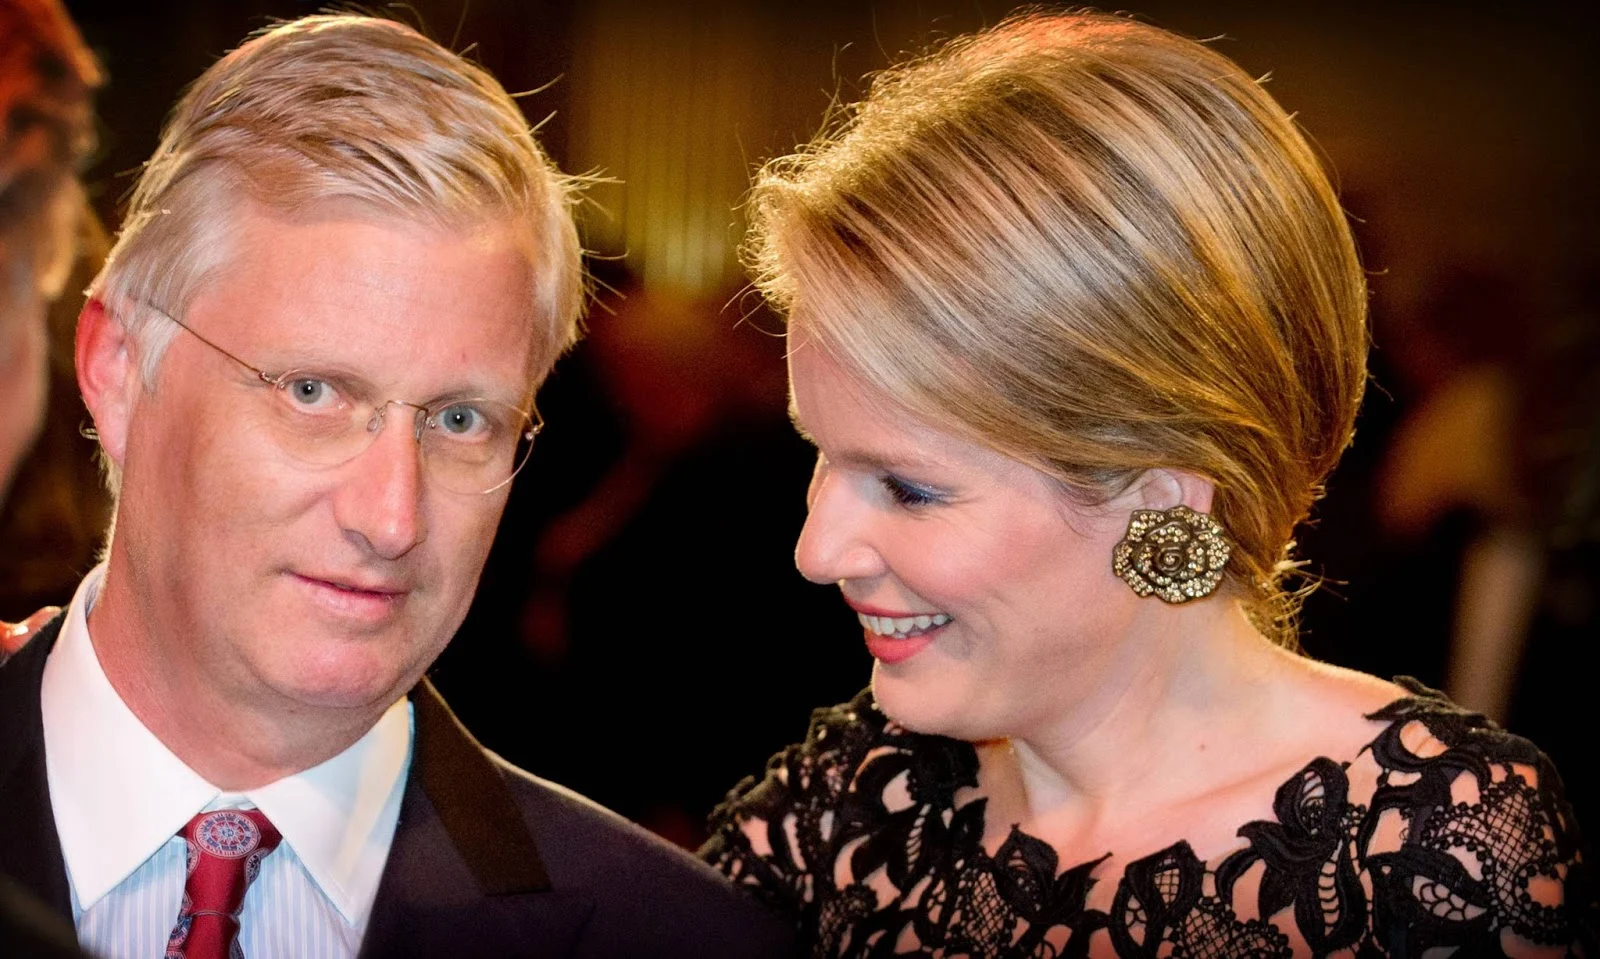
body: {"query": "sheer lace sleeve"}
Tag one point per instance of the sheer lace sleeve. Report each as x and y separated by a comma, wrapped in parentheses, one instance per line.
(766, 835)
(797, 835)
(1469, 839)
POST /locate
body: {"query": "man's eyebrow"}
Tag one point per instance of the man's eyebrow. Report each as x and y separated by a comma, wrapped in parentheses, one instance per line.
(350, 379)
(341, 376)
(481, 392)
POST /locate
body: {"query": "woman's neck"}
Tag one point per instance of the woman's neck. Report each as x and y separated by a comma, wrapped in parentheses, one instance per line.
(1168, 714)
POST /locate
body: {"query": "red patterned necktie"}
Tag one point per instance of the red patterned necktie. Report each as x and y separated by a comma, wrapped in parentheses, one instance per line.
(224, 851)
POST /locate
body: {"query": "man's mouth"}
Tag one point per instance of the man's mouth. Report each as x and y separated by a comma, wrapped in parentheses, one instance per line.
(351, 588)
(355, 583)
(358, 596)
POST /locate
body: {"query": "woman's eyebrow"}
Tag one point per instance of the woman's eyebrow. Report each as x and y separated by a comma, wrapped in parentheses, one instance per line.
(861, 458)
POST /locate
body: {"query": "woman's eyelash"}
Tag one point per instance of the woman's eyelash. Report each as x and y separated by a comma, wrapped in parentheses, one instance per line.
(907, 495)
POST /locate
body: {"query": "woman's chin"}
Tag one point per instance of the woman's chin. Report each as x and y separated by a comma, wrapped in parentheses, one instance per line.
(919, 703)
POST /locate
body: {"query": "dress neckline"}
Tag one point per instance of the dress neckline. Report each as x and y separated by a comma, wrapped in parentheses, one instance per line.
(1420, 701)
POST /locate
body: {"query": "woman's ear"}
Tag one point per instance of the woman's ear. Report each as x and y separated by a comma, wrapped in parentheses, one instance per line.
(108, 376)
(1165, 488)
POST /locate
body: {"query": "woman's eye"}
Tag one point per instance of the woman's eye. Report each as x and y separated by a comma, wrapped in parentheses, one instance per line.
(907, 494)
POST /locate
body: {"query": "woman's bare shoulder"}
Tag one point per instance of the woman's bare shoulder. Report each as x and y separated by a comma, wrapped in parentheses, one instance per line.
(1339, 710)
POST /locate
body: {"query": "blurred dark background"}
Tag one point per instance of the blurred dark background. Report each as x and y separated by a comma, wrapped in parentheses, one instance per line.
(641, 635)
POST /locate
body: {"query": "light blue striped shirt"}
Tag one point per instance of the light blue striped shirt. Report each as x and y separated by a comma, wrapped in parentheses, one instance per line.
(120, 796)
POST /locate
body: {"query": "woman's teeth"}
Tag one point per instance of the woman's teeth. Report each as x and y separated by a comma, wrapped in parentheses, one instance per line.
(902, 627)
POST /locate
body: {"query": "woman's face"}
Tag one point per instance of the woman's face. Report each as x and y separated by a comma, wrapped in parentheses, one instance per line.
(982, 589)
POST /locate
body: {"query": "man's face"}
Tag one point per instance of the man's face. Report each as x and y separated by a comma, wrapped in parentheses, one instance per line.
(290, 585)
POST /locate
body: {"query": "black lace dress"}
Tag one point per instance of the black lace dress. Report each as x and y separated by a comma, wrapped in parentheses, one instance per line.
(1445, 836)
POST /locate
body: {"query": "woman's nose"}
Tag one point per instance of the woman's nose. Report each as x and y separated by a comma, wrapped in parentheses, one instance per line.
(836, 541)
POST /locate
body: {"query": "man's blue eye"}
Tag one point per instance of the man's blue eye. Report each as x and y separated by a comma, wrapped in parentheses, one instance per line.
(307, 391)
(906, 494)
(461, 420)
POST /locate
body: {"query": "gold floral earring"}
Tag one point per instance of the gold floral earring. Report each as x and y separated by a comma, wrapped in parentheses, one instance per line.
(1177, 554)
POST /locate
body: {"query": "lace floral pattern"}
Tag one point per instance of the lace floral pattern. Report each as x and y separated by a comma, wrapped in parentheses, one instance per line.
(1466, 846)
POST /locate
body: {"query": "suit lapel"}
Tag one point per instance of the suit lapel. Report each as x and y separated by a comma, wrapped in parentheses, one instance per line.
(30, 850)
(464, 876)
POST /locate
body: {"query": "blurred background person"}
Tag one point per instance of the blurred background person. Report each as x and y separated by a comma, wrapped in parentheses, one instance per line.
(46, 134)
(663, 576)
(1486, 506)
(46, 76)
(51, 506)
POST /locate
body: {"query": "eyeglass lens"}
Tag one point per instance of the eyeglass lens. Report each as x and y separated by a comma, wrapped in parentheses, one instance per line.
(468, 446)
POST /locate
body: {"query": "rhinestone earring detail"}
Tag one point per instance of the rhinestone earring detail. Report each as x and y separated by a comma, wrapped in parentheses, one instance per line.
(1177, 554)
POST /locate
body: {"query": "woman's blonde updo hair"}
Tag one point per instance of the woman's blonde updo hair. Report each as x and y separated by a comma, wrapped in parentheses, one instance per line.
(1096, 247)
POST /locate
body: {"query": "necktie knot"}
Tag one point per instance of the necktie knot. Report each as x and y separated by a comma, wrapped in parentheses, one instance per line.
(223, 852)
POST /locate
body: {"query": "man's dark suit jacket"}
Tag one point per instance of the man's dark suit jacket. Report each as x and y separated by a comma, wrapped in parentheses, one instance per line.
(29, 930)
(486, 860)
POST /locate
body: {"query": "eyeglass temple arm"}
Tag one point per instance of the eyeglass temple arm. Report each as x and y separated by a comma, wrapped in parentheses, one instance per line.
(261, 374)
(535, 425)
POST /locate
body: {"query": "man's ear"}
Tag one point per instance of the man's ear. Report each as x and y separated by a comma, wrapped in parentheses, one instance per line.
(1166, 488)
(108, 375)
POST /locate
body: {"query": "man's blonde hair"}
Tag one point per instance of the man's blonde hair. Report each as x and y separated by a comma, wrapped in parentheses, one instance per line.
(1096, 247)
(339, 108)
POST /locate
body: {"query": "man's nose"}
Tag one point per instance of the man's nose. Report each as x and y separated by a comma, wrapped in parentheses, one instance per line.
(379, 502)
(835, 541)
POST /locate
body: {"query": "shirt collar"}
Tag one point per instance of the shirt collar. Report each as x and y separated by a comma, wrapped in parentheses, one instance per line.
(119, 793)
